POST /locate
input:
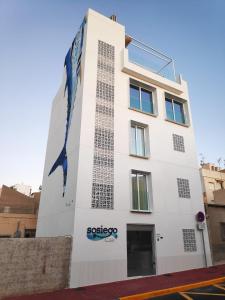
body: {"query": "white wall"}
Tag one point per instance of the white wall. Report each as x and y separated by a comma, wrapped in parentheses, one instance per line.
(56, 213)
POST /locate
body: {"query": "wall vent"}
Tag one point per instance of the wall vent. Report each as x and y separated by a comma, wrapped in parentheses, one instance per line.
(189, 240)
(178, 143)
(183, 188)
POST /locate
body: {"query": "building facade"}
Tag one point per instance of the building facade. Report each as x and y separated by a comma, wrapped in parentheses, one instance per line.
(121, 173)
(213, 184)
(213, 179)
(18, 213)
(22, 188)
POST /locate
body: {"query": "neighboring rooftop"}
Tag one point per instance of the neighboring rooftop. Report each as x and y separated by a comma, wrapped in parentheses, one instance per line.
(12, 201)
(22, 188)
(212, 167)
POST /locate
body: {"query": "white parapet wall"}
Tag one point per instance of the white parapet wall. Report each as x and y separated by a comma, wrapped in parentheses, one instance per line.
(34, 265)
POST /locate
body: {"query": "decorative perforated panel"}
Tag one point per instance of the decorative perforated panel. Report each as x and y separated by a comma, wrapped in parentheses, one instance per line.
(189, 240)
(183, 188)
(103, 164)
(178, 143)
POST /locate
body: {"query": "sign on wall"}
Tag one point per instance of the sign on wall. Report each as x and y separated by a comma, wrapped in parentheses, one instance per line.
(100, 233)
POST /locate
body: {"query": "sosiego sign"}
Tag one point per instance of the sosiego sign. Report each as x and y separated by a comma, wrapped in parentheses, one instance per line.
(100, 233)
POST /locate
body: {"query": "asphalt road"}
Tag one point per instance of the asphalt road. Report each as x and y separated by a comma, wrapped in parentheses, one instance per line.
(212, 292)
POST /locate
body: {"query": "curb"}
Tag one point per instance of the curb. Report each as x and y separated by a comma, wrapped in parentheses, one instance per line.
(180, 288)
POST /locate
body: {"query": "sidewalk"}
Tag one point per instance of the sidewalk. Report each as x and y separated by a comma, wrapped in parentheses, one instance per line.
(115, 290)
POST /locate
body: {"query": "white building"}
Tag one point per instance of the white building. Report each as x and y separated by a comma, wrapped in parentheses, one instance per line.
(121, 173)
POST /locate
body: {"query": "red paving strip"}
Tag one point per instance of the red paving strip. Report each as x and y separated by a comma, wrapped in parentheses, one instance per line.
(115, 290)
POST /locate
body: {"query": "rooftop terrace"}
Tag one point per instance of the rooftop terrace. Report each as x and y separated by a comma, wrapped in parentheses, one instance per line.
(151, 59)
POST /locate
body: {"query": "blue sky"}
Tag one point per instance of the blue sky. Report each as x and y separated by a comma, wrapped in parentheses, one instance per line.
(35, 36)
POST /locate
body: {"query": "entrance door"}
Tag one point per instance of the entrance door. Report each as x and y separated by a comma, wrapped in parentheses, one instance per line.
(140, 250)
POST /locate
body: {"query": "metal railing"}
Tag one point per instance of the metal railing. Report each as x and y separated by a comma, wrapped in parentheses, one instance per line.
(152, 59)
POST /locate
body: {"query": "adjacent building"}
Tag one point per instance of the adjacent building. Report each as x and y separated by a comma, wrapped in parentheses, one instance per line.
(213, 183)
(121, 173)
(18, 213)
(22, 188)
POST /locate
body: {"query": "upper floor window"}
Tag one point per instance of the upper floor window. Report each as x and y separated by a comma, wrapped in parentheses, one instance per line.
(139, 145)
(175, 110)
(138, 140)
(140, 191)
(141, 99)
(211, 186)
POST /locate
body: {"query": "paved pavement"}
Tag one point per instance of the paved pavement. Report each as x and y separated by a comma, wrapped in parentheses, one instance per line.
(116, 290)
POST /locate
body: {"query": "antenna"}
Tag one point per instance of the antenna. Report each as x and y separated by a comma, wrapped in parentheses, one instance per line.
(202, 159)
(113, 18)
(219, 161)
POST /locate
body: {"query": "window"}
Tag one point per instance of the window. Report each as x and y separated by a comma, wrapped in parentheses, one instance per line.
(175, 111)
(222, 231)
(29, 233)
(138, 140)
(140, 194)
(178, 143)
(183, 188)
(189, 240)
(141, 99)
(211, 186)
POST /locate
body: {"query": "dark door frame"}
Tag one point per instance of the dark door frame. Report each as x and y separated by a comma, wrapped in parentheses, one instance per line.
(144, 227)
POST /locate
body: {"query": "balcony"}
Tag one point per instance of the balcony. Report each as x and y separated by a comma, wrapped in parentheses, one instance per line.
(150, 58)
(148, 64)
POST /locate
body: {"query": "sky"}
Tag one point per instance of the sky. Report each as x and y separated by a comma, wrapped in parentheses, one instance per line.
(35, 36)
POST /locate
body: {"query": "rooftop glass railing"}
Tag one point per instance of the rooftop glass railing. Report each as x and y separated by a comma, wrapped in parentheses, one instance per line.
(151, 59)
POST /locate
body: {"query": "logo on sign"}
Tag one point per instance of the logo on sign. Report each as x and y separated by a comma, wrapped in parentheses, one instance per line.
(100, 233)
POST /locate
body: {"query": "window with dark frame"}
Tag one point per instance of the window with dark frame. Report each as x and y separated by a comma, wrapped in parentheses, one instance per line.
(141, 99)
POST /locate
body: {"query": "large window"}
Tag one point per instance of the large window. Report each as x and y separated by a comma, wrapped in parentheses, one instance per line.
(138, 140)
(140, 193)
(141, 99)
(175, 111)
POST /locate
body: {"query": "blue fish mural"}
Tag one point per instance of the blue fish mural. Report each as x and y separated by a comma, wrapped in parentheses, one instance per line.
(73, 74)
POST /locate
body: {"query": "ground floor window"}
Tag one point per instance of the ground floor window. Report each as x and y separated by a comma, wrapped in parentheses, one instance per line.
(140, 191)
(29, 233)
